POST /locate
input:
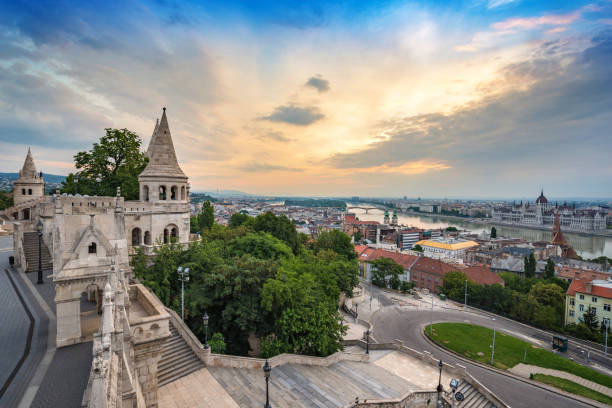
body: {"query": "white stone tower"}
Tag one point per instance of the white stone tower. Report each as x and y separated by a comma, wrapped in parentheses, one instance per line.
(30, 184)
(163, 179)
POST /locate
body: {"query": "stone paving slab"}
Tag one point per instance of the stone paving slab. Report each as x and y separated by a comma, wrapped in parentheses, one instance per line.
(524, 370)
(198, 389)
(423, 376)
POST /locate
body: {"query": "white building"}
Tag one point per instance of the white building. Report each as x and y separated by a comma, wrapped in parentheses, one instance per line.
(445, 247)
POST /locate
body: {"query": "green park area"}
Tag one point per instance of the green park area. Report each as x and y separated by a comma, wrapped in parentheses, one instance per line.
(474, 342)
(572, 387)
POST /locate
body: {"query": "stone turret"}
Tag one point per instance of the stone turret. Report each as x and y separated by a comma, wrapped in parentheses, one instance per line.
(30, 184)
(163, 178)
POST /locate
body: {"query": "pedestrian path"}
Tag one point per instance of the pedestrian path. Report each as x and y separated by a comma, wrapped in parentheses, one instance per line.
(524, 370)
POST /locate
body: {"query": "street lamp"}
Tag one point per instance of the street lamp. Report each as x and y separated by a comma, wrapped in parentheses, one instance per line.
(431, 318)
(493, 347)
(205, 320)
(439, 389)
(76, 183)
(266, 369)
(465, 295)
(39, 229)
(607, 326)
(368, 341)
(183, 277)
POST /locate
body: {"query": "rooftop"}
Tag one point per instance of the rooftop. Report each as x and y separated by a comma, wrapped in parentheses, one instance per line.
(448, 244)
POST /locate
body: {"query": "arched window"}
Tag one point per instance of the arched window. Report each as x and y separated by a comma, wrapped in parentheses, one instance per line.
(136, 236)
(183, 193)
(171, 233)
(145, 193)
(165, 235)
(92, 248)
(162, 192)
(173, 192)
(147, 238)
(174, 233)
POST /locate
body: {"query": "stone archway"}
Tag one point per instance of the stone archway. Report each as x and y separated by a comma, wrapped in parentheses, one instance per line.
(147, 238)
(136, 237)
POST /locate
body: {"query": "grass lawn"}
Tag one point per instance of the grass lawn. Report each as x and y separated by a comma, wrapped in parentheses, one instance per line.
(569, 386)
(474, 342)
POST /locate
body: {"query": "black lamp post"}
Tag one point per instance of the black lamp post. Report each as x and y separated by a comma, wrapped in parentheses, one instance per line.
(368, 341)
(439, 389)
(205, 320)
(39, 228)
(266, 369)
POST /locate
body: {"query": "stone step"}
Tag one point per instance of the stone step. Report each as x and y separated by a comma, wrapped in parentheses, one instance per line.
(176, 360)
(183, 370)
(187, 371)
(169, 354)
(178, 364)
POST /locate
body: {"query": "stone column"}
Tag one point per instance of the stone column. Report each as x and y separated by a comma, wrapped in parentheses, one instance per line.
(146, 357)
(68, 321)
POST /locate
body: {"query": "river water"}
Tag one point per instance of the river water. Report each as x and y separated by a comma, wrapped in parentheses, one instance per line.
(585, 246)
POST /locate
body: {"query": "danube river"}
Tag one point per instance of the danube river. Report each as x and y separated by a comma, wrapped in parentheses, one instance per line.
(586, 246)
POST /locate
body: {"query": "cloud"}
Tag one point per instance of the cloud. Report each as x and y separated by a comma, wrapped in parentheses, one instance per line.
(318, 83)
(549, 128)
(276, 136)
(295, 115)
(408, 168)
(529, 23)
(496, 3)
(257, 167)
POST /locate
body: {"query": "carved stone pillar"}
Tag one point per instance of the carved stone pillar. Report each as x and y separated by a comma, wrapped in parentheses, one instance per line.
(146, 357)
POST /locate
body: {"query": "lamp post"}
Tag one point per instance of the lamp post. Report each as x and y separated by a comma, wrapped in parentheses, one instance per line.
(39, 229)
(368, 341)
(183, 277)
(607, 325)
(205, 321)
(465, 295)
(431, 318)
(266, 369)
(439, 389)
(76, 183)
(493, 347)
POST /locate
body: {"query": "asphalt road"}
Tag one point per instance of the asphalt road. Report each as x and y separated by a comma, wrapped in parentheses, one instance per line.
(392, 323)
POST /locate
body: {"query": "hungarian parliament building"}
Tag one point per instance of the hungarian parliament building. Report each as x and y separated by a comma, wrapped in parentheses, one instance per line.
(543, 214)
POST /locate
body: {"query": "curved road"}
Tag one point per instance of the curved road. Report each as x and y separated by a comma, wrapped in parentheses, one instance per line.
(392, 323)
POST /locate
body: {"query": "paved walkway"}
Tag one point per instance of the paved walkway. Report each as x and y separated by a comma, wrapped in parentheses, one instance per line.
(199, 389)
(524, 370)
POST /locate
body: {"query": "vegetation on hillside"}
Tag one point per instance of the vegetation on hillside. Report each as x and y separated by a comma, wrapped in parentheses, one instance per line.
(259, 276)
(313, 202)
(6, 200)
(572, 387)
(474, 342)
(538, 302)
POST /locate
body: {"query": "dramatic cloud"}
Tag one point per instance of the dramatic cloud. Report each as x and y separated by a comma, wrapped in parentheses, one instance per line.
(266, 167)
(533, 22)
(295, 115)
(318, 83)
(496, 3)
(552, 124)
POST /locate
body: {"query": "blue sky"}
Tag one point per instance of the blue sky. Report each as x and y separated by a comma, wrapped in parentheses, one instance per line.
(474, 98)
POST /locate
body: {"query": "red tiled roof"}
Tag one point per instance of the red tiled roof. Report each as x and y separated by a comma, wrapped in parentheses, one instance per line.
(371, 254)
(360, 248)
(580, 286)
(367, 222)
(350, 219)
(435, 266)
(483, 275)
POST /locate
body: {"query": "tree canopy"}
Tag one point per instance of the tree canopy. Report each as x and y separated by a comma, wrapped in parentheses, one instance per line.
(251, 282)
(114, 161)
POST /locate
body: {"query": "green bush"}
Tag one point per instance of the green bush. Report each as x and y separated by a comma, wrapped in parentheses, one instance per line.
(217, 343)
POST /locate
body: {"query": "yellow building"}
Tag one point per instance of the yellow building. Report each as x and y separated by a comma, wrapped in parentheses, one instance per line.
(583, 294)
(445, 247)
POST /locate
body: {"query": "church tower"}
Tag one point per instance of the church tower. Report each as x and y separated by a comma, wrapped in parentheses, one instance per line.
(30, 184)
(162, 179)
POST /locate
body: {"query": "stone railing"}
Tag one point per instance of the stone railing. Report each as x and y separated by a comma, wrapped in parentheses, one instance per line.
(223, 360)
(412, 399)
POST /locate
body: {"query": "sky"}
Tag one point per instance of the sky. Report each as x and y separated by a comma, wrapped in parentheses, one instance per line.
(481, 98)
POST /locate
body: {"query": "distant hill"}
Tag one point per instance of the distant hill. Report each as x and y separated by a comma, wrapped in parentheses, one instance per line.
(51, 181)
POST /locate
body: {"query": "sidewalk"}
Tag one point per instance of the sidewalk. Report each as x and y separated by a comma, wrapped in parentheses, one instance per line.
(524, 370)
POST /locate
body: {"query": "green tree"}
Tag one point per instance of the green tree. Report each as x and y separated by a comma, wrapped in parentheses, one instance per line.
(358, 236)
(590, 319)
(206, 217)
(417, 248)
(239, 219)
(194, 226)
(549, 270)
(217, 343)
(6, 200)
(384, 269)
(451, 229)
(279, 226)
(114, 161)
(336, 241)
(261, 245)
(493, 232)
(405, 286)
(453, 285)
(530, 266)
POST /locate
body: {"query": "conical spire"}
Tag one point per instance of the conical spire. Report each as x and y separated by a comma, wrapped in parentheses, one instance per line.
(29, 169)
(162, 158)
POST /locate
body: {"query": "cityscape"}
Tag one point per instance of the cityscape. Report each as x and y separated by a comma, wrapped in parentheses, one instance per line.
(306, 204)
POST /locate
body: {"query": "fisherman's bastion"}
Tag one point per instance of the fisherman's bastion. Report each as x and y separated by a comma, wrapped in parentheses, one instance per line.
(87, 310)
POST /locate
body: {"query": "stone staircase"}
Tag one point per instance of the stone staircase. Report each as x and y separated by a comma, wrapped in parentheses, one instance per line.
(177, 361)
(473, 398)
(30, 249)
